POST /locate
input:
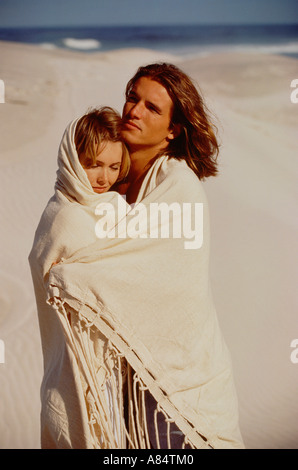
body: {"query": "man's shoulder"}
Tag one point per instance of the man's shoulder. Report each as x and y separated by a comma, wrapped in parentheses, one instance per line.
(186, 182)
(179, 166)
(181, 174)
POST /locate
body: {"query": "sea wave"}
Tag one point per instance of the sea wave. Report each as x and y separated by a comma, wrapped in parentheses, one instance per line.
(193, 51)
(83, 44)
(48, 45)
(289, 48)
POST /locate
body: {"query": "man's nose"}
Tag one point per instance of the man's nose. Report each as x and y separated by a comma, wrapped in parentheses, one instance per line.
(136, 110)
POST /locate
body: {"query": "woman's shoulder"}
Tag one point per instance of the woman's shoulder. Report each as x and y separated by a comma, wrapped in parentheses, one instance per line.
(61, 218)
(74, 221)
(63, 229)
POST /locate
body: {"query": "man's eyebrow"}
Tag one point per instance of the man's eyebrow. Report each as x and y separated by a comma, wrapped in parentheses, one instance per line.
(134, 94)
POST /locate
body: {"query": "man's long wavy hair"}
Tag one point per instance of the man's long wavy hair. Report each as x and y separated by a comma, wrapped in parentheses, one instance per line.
(196, 142)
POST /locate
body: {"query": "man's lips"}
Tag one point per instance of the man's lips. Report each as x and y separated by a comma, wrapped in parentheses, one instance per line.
(131, 125)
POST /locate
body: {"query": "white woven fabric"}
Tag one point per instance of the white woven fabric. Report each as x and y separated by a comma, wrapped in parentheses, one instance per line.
(132, 299)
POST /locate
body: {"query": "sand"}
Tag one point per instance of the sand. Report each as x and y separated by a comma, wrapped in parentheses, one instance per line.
(253, 218)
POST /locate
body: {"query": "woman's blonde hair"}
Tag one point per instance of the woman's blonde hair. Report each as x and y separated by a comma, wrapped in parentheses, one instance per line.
(97, 126)
(196, 142)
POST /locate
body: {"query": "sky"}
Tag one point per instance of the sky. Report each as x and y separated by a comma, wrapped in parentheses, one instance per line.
(141, 12)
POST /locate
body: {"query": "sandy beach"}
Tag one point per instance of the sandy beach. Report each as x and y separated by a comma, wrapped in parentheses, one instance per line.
(252, 205)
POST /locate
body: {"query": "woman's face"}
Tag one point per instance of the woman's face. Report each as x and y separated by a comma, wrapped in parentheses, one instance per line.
(105, 171)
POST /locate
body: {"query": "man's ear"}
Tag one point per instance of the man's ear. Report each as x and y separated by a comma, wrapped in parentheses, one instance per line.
(175, 131)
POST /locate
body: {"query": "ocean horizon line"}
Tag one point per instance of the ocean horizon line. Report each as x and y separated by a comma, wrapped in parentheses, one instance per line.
(145, 25)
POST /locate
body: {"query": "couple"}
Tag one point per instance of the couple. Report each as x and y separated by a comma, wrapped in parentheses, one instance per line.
(133, 353)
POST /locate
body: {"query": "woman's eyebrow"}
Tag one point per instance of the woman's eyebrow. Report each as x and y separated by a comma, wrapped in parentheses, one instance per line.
(112, 164)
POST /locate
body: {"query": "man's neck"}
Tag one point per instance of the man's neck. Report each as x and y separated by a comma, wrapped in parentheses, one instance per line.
(139, 164)
(141, 161)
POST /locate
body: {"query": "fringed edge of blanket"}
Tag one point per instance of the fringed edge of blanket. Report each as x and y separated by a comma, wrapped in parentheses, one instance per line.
(109, 427)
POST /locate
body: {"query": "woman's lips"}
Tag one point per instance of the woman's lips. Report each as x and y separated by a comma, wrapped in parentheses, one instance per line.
(100, 189)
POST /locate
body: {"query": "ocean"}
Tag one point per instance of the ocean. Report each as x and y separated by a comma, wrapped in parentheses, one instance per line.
(182, 40)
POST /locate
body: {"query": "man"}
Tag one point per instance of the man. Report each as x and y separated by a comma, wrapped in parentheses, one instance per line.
(165, 115)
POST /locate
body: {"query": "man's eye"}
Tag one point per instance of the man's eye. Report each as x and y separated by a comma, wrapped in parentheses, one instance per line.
(154, 109)
(131, 99)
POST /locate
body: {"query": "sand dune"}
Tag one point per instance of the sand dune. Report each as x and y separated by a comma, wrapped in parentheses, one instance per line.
(253, 218)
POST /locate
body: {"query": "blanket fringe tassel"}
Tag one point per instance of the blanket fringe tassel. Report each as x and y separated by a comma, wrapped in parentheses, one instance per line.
(115, 394)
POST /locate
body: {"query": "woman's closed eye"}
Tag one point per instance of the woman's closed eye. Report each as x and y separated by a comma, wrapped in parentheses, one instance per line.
(100, 165)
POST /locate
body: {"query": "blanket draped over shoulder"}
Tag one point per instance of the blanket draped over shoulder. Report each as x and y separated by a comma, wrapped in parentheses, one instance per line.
(125, 310)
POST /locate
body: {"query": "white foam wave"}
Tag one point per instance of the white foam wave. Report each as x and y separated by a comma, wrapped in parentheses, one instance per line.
(48, 45)
(84, 44)
(289, 48)
(204, 51)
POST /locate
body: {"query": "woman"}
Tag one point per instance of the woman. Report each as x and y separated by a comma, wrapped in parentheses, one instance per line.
(91, 158)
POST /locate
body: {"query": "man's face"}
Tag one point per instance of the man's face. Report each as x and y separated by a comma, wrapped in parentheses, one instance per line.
(147, 117)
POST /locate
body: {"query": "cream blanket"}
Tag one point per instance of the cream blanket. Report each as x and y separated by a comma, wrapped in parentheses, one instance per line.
(129, 312)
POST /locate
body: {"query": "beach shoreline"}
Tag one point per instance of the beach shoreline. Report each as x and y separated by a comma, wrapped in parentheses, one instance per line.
(252, 205)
